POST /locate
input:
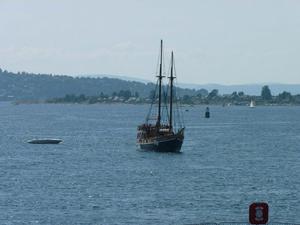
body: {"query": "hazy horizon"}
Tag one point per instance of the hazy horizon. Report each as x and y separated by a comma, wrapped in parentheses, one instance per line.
(226, 42)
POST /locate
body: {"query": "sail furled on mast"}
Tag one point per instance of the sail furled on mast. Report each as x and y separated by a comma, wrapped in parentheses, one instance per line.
(171, 92)
(160, 77)
(175, 112)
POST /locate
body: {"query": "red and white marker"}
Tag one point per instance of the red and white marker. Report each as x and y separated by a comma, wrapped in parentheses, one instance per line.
(258, 213)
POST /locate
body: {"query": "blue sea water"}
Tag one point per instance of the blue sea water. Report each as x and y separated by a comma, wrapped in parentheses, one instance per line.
(97, 176)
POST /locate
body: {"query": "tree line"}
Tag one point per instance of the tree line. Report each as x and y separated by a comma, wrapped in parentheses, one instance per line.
(240, 98)
(30, 86)
(212, 97)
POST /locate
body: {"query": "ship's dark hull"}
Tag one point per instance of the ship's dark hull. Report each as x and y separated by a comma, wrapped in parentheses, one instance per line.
(169, 146)
(164, 144)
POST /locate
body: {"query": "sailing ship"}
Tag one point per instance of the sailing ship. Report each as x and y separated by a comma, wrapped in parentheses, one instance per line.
(162, 132)
(252, 104)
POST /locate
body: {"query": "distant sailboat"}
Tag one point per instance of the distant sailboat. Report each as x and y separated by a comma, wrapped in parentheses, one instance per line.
(166, 134)
(252, 104)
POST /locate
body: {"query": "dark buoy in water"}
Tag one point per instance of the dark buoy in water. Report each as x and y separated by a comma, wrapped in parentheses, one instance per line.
(207, 113)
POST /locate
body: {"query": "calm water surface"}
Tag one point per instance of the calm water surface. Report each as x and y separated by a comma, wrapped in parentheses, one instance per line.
(96, 176)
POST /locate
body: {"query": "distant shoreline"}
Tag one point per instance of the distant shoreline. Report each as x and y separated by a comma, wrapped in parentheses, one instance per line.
(29, 102)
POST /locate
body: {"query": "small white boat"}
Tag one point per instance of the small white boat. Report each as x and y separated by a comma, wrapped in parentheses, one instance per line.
(44, 141)
(252, 104)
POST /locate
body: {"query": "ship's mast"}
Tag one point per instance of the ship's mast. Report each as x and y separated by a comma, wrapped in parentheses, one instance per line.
(171, 91)
(159, 83)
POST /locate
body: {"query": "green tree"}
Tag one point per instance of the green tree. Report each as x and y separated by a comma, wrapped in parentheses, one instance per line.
(266, 93)
(214, 93)
(125, 94)
(241, 94)
(202, 92)
(234, 95)
(285, 96)
(199, 95)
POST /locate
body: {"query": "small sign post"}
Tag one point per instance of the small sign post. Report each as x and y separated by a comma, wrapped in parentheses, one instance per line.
(258, 213)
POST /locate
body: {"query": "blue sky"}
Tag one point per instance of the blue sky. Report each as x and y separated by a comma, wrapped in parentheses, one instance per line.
(224, 41)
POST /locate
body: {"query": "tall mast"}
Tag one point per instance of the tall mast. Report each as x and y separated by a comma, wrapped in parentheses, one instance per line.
(171, 90)
(159, 79)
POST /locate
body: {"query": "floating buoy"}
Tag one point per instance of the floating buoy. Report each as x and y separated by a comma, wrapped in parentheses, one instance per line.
(207, 113)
